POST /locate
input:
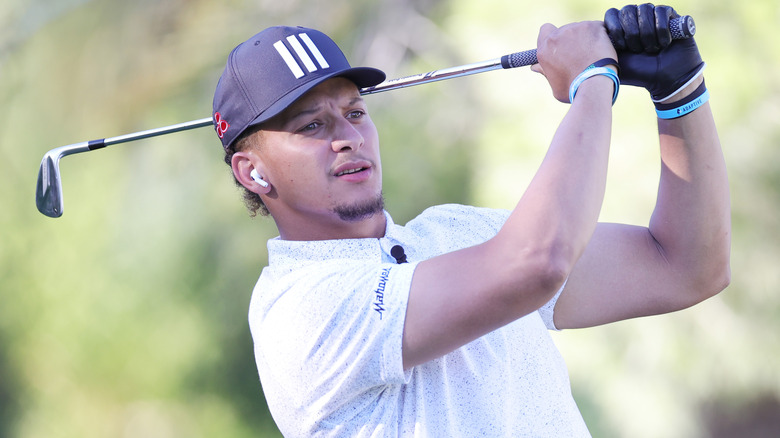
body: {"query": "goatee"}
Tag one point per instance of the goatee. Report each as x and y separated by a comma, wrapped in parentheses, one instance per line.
(360, 211)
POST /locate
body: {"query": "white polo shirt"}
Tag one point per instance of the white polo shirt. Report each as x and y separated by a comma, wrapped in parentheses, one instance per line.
(327, 321)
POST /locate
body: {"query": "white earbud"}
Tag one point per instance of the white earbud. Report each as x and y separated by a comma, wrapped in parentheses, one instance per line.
(256, 177)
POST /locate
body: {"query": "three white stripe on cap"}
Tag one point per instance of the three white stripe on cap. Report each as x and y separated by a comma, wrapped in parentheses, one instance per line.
(292, 64)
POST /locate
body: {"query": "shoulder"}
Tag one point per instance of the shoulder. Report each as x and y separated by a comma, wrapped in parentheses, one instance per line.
(457, 218)
(453, 214)
(337, 292)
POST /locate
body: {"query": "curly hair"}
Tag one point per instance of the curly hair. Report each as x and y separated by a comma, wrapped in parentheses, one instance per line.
(252, 200)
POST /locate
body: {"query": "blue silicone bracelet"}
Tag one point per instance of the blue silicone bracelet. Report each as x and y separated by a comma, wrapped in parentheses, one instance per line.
(687, 105)
(589, 73)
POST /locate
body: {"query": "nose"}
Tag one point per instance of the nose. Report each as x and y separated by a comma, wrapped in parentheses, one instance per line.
(346, 136)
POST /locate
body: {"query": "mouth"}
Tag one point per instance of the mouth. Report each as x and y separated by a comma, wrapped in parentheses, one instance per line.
(351, 171)
(352, 168)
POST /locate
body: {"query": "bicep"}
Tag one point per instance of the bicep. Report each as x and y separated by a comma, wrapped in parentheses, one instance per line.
(623, 273)
(457, 297)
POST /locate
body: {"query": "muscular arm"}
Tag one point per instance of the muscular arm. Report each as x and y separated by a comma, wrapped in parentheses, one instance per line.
(460, 296)
(681, 258)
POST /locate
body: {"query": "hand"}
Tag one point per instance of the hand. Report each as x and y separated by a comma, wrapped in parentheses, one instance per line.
(565, 52)
(647, 54)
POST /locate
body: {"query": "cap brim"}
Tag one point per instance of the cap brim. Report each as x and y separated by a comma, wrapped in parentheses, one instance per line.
(363, 77)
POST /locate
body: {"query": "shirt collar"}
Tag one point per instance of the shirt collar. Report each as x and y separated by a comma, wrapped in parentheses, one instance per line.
(282, 252)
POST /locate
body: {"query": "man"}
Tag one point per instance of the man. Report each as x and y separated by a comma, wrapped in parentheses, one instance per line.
(440, 328)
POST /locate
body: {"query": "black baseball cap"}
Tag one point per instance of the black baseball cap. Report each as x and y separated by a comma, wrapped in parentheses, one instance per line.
(271, 70)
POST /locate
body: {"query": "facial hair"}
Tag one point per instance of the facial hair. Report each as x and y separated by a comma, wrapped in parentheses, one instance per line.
(359, 211)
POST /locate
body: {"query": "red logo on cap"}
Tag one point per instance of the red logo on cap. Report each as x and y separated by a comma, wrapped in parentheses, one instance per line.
(221, 125)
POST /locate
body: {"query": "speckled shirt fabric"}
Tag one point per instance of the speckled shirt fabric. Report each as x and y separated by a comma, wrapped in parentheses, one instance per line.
(327, 320)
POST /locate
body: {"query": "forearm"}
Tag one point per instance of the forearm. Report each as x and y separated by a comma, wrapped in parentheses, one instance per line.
(691, 221)
(556, 216)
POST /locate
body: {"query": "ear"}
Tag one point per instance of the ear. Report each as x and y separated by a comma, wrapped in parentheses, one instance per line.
(243, 163)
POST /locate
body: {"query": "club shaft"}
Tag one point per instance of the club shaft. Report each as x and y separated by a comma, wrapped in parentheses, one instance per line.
(200, 123)
(682, 27)
(433, 76)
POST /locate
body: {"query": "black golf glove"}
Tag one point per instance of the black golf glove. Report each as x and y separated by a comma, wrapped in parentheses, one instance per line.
(647, 54)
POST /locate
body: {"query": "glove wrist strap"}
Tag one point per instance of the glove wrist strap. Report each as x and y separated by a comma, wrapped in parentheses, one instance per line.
(688, 82)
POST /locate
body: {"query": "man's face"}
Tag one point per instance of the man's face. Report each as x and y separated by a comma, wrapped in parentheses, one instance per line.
(321, 155)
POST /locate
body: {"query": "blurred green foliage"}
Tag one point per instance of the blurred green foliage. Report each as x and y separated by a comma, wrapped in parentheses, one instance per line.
(127, 316)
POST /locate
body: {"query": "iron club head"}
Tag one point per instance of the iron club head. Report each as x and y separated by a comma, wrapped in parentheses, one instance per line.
(48, 192)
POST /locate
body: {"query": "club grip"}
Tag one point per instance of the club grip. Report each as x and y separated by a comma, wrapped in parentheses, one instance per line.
(680, 28)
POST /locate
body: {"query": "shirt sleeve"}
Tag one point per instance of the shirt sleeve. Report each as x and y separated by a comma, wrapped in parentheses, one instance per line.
(547, 312)
(334, 334)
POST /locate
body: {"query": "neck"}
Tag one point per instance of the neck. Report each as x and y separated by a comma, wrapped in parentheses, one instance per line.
(333, 228)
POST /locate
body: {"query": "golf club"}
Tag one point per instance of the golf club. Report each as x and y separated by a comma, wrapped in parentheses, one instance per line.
(48, 192)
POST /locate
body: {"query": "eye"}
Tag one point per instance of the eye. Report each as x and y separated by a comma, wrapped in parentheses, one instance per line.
(310, 127)
(356, 114)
